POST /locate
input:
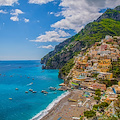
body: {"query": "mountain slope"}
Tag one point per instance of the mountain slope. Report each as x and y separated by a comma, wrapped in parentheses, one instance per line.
(107, 24)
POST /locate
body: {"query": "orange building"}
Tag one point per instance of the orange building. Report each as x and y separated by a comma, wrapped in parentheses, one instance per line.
(98, 86)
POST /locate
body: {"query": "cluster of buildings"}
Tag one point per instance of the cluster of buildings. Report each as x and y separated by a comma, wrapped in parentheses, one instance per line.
(95, 64)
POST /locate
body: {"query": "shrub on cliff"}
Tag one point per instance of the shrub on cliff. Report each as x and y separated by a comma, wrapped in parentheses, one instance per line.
(89, 114)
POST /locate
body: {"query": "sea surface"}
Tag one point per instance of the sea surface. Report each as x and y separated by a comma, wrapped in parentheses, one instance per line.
(25, 75)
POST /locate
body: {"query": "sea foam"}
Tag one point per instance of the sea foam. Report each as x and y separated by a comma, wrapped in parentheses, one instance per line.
(49, 107)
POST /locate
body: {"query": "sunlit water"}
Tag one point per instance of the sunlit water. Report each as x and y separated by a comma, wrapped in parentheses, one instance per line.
(20, 74)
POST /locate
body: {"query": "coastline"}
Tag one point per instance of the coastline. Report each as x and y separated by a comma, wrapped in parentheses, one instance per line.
(67, 110)
(53, 105)
(60, 104)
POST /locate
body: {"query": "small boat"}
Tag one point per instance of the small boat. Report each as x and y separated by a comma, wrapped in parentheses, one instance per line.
(26, 91)
(10, 98)
(52, 88)
(44, 91)
(16, 88)
(30, 84)
(31, 90)
(34, 92)
(33, 79)
(28, 77)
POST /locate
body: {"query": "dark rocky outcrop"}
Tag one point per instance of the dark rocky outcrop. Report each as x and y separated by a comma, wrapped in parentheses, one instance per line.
(60, 59)
(57, 49)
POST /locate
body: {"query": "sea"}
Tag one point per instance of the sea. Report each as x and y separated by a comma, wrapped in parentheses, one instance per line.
(25, 75)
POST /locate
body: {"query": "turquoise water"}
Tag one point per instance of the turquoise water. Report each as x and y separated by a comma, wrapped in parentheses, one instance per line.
(24, 106)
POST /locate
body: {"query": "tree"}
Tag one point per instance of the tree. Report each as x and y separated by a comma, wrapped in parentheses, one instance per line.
(97, 98)
(112, 118)
(89, 114)
(98, 92)
(95, 107)
(103, 105)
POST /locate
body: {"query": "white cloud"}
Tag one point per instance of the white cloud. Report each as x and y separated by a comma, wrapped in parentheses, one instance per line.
(52, 36)
(55, 14)
(40, 1)
(4, 12)
(50, 13)
(14, 18)
(47, 47)
(77, 13)
(8, 2)
(16, 12)
(26, 20)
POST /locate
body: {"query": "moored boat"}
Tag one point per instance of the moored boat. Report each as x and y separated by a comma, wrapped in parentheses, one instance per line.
(34, 92)
(52, 88)
(16, 88)
(44, 91)
(31, 90)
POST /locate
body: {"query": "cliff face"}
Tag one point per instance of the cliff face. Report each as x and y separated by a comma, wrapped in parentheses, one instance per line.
(57, 49)
(107, 24)
(59, 59)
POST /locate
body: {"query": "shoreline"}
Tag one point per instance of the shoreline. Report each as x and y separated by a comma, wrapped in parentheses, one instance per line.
(44, 113)
(66, 110)
(55, 107)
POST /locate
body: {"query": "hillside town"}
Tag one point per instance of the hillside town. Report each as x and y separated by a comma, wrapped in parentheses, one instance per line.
(97, 69)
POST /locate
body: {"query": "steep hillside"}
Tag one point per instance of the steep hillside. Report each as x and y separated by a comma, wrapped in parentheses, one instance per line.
(107, 24)
(111, 13)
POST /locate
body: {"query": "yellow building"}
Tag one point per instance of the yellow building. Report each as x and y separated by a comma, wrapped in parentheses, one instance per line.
(104, 65)
(109, 76)
(119, 83)
(105, 76)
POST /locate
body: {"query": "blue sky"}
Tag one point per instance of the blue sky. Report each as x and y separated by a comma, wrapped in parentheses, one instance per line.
(29, 29)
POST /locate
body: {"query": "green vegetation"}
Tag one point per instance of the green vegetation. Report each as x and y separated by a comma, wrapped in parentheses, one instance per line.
(116, 68)
(109, 83)
(95, 31)
(49, 62)
(117, 106)
(81, 118)
(66, 68)
(97, 98)
(94, 75)
(89, 114)
(111, 118)
(98, 92)
(103, 105)
(74, 83)
(95, 107)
